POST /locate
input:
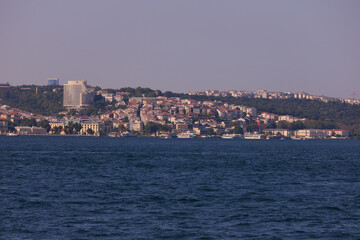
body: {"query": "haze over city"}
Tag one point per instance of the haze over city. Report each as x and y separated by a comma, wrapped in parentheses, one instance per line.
(182, 46)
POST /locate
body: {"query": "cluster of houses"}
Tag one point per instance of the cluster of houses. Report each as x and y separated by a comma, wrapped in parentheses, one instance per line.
(272, 95)
(8, 114)
(200, 118)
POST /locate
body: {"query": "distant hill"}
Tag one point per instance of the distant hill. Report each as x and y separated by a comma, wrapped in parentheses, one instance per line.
(49, 99)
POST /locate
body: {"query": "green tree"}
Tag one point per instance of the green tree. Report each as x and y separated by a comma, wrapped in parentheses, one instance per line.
(210, 131)
(57, 130)
(90, 131)
(238, 130)
(44, 124)
(122, 128)
(30, 122)
(11, 126)
(108, 125)
(283, 125)
(152, 127)
(253, 127)
(68, 129)
(77, 127)
(296, 125)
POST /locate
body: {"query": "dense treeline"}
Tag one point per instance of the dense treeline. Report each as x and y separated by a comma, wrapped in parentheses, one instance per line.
(152, 127)
(137, 92)
(29, 122)
(46, 101)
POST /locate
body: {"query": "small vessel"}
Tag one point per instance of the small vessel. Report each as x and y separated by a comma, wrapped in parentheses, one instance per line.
(165, 136)
(297, 138)
(186, 135)
(229, 136)
(10, 134)
(113, 134)
(254, 136)
(126, 134)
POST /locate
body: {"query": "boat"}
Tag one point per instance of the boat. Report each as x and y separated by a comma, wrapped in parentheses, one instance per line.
(166, 136)
(10, 134)
(230, 136)
(126, 134)
(254, 136)
(113, 134)
(186, 135)
(297, 138)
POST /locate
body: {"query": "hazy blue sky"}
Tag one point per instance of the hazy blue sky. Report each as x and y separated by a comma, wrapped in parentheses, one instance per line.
(184, 45)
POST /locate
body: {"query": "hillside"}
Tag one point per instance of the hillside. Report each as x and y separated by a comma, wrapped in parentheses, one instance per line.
(47, 101)
(342, 114)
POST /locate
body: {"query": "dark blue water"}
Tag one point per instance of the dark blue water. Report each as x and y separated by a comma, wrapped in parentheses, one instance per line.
(133, 188)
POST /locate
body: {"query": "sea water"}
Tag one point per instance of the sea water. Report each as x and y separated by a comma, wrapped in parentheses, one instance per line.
(146, 188)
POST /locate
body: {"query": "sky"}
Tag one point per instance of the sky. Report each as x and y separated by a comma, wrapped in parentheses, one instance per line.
(187, 45)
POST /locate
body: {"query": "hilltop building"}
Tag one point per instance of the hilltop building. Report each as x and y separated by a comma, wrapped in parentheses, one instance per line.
(4, 85)
(77, 95)
(53, 81)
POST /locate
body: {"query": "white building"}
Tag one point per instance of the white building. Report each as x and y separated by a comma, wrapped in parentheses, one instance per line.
(30, 130)
(77, 95)
(96, 127)
(281, 132)
(310, 133)
(136, 126)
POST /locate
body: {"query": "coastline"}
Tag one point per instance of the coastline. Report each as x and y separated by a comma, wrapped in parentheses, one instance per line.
(196, 137)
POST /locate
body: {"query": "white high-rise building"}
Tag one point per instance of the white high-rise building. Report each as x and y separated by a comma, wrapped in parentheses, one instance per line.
(78, 95)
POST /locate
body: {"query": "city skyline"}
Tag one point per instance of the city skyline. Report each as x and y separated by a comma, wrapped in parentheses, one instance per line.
(184, 45)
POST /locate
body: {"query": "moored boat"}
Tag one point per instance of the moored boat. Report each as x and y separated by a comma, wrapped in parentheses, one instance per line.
(254, 136)
(10, 134)
(166, 136)
(186, 135)
(230, 136)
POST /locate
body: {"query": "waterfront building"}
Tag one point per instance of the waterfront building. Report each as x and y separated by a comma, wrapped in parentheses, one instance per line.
(182, 127)
(3, 127)
(30, 130)
(78, 95)
(200, 130)
(96, 127)
(280, 132)
(53, 81)
(337, 132)
(310, 133)
(56, 124)
(136, 126)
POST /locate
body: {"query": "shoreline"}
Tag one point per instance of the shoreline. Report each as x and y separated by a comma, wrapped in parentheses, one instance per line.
(198, 137)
